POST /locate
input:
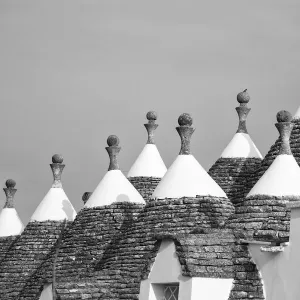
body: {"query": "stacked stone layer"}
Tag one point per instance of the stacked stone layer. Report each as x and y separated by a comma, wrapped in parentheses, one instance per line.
(85, 241)
(232, 175)
(262, 218)
(5, 244)
(145, 185)
(26, 255)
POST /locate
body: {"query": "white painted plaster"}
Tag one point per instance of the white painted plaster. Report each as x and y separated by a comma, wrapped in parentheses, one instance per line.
(114, 187)
(297, 114)
(281, 179)
(241, 145)
(187, 178)
(149, 163)
(55, 206)
(10, 223)
(46, 293)
(166, 269)
(280, 271)
(211, 288)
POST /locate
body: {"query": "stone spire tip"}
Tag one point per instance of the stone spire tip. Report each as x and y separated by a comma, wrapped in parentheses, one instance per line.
(243, 110)
(185, 131)
(57, 168)
(151, 126)
(10, 193)
(284, 127)
(113, 150)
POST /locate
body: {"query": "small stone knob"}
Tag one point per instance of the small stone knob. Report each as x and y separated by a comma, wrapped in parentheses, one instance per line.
(86, 196)
(10, 183)
(243, 97)
(57, 159)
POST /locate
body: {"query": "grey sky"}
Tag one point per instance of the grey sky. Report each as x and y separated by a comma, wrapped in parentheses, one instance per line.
(73, 72)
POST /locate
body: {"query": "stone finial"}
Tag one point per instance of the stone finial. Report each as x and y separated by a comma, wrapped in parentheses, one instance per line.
(86, 196)
(151, 126)
(284, 127)
(113, 150)
(57, 168)
(10, 193)
(185, 132)
(243, 110)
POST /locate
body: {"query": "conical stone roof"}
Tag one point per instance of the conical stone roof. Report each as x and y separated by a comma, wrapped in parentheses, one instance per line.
(37, 240)
(239, 159)
(186, 177)
(106, 215)
(263, 212)
(149, 168)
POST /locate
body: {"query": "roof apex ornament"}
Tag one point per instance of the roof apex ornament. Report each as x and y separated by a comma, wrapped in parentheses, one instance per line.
(113, 150)
(57, 167)
(243, 110)
(86, 196)
(185, 131)
(10, 193)
(151, 126)
(284, 127)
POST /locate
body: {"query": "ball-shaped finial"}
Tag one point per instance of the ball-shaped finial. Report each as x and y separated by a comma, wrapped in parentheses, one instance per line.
(151, 116)
(113, 140)
(185, 120)
(243, 97)
(57, 159)
(10, 183)
(284, 116)
(86, 196)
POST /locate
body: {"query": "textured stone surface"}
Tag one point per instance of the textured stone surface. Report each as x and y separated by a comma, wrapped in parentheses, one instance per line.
(232, 174)
(145, 185)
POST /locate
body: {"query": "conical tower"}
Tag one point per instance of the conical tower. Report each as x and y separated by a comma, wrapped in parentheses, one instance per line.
(274, 150)
(108, 212)
(149, 168)
(187, 208)
(38, 238)
(239, 159)
(10, 224)
(263, 214)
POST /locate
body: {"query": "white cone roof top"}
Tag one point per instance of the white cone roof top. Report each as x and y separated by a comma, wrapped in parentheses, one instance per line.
(148, 164)
(187, 178)
(114, 187)
(241, 146)
(283, 176)
(281, 179)
(10, 222)
(55, 206)
(297, 114)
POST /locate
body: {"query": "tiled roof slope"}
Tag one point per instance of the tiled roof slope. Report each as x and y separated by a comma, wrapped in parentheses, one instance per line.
(149, 168)
(32, 247)
(239, 159)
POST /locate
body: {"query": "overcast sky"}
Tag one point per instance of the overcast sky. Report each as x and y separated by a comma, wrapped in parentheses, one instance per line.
(74, 72)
